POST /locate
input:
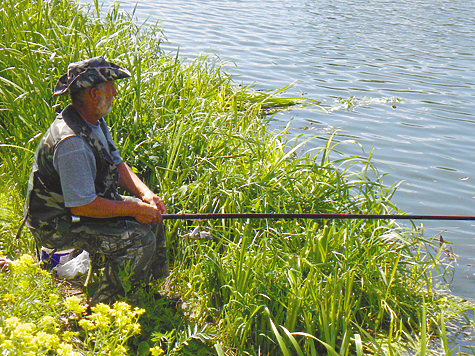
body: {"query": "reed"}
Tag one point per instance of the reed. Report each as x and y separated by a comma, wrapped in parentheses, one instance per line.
(260, 287)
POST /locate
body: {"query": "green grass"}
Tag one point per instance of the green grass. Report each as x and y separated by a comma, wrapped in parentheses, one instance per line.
(260, 287)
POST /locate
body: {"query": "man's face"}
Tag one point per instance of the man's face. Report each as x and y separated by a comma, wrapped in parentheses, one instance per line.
(107, 93)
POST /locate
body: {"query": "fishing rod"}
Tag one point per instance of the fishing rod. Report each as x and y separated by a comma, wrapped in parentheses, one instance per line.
(227, 216)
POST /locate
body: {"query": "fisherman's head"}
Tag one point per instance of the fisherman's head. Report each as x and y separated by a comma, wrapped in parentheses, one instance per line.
(90, 83)
(88, 73)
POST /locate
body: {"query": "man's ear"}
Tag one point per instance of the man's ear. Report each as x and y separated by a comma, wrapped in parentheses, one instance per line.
(94, 94)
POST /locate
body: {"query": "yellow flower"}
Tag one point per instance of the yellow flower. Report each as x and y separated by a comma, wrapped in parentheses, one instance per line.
(86, 324)
(73, 303)
(68, 335)
(8, 298)
(66, 350)
(49, 341)
(138, 311)
(121, 306)
(136, 328)
(101, 320)
(156, 351)
(48, 320)
(133, 328)
(12, 322)
(23, 262)
(119, 351)
(7, 345)
(102, 308)
(53, 298)
(122, 321)
(24, 284)
(24, 331)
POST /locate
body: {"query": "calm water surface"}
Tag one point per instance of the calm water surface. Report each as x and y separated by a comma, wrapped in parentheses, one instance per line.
(409, 66)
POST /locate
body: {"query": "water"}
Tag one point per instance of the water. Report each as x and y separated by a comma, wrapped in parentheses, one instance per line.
(409, 66)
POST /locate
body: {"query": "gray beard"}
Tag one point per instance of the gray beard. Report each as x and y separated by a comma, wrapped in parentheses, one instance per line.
(104, 109)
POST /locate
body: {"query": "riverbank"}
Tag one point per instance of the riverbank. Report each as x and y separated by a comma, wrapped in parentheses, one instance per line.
(259, 287)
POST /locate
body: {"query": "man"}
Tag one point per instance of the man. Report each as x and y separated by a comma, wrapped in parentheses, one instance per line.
(72, 199)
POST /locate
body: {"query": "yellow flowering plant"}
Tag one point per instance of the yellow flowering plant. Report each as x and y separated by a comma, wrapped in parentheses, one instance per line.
(28, 291)
(24, 338)
(29, 312)
(107, 329)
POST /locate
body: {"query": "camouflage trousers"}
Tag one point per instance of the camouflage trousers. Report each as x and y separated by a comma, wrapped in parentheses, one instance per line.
(121, 244)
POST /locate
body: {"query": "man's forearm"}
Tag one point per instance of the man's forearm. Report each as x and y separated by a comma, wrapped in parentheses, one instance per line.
(105, 208)
(129, 181)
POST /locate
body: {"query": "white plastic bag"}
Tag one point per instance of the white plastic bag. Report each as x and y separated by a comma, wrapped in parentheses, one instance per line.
(75, 266)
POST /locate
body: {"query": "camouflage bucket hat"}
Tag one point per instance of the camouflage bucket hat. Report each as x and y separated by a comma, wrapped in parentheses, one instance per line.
(86, 73)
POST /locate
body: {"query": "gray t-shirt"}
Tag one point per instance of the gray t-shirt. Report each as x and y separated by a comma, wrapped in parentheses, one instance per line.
(74, 160)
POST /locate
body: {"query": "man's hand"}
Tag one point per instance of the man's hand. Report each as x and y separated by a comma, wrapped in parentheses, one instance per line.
(155, 200)
(148, 214)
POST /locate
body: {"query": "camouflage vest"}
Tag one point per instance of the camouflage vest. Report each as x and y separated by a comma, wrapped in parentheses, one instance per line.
(44, 200)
